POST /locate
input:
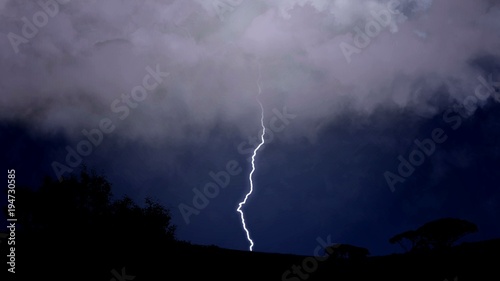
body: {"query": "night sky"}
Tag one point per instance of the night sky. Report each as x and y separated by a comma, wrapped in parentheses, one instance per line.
(380, 115)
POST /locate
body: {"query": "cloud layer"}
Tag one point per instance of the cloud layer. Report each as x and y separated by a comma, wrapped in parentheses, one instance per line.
(85, 55)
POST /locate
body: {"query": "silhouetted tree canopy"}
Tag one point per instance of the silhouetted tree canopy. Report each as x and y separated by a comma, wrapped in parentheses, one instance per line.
(347, 251)
(438, 234)
(411, 236)
(443, 233)
(81, 206)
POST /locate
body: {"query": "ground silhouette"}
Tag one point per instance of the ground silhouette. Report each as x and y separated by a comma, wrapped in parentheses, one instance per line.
(73, 230)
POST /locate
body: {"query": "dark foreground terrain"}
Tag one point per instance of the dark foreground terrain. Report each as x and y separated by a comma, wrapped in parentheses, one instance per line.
(62, 259)
(73, 230)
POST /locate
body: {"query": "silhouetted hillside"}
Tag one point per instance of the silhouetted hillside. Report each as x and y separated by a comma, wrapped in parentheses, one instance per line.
(73, 230)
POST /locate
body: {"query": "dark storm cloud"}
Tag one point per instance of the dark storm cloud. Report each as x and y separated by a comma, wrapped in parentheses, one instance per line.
(85, 54)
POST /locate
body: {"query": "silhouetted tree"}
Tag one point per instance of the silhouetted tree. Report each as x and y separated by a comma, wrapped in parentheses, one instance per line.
(411, 236)
(443, 233)
(153, 222)
(80, 209)
(347, 251)
(437, 234)
(74, 203)
(77, 222)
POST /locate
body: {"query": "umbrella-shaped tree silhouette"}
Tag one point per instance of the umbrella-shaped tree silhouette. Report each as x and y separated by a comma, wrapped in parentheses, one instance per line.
(437, 234)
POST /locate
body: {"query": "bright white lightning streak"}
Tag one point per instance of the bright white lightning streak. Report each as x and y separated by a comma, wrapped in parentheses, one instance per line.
(253, 165)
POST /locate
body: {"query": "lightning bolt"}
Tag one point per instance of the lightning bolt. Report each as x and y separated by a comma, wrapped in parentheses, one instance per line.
(253, 163)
